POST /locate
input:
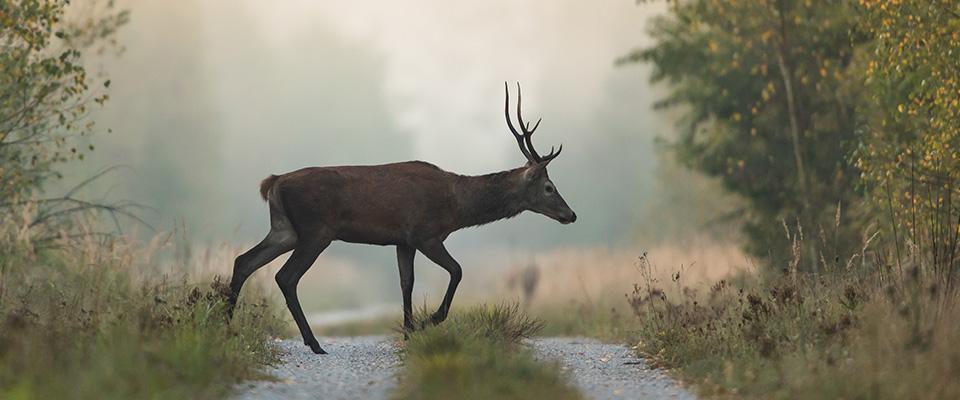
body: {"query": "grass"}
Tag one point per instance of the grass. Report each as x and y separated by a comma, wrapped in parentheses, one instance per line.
(857, 332)
(610, 324)
(582, 292)
(843, 336)
(92, 322)
(601, 276)
(477, 354)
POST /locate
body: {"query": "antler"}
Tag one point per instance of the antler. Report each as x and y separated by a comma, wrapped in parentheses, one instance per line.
(523, 140)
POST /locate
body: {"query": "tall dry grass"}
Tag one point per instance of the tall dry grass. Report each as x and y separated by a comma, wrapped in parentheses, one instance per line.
(583, 291)
(871, 327)
(97, 317)
(604, 275)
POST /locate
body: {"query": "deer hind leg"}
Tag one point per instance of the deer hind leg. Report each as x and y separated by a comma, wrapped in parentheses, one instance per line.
(439, 255)
(288, 278)
(281, 239)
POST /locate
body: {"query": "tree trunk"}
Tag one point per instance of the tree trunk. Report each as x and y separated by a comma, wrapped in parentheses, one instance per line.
(787, 74)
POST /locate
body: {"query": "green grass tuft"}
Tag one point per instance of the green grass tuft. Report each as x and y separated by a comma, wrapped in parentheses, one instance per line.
(478, 354)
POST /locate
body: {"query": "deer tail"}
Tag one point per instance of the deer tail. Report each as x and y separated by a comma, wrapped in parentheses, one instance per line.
(266, 185)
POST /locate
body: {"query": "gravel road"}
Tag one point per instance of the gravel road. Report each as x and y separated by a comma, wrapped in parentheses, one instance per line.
(608, 371)
(362, 367)
(365, 367)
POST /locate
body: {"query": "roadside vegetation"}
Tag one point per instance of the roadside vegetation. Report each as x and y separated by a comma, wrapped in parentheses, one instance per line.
(584, 292)
(837, 124)
(95, 321)
(859, 333)
(478, 354)
(88, 311)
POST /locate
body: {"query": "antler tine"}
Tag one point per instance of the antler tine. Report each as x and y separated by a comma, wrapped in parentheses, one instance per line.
(534, 126)
(527, 133)
(517, 135)
(552, 155)
(524, 139)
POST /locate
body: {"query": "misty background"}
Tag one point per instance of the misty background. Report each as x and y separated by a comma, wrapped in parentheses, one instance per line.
(238, 90)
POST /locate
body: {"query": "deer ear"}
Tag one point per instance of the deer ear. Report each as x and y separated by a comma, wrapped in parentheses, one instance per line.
(533, 171)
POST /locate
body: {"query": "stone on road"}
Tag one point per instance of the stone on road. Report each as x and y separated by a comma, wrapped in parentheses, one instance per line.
(362, 367)
(607, 371)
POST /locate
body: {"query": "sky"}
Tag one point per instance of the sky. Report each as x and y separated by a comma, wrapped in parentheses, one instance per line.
(211, 96)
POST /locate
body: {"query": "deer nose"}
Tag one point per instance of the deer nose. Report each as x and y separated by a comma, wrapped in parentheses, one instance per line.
(573, 217)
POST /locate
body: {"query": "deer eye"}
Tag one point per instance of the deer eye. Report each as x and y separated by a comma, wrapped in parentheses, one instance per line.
(549, 189)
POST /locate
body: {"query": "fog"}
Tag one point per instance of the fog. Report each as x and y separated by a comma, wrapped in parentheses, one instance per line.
(212, 96)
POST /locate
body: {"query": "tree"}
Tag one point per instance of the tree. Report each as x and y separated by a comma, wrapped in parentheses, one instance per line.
(910, 152)
(45, 96)
(769, 91)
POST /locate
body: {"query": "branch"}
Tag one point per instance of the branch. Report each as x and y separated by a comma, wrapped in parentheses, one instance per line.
(48, 238)
(82, 205)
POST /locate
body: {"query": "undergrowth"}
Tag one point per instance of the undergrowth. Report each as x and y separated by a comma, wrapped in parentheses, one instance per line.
(872, 329)
(848, 334)
(478, 354)
(78, 323)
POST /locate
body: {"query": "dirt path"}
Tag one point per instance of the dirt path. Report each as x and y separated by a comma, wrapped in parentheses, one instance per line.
(608, 371)
(365, 367)
(362, 367)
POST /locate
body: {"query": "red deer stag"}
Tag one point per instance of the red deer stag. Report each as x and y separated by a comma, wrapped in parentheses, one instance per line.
(412, 205)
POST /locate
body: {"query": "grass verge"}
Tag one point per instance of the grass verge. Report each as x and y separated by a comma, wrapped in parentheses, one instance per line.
(842, 336)
(477, 354)
(75, 323)
(859, 332)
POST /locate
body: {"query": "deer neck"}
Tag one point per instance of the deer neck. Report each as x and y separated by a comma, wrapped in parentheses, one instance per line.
(487, 198)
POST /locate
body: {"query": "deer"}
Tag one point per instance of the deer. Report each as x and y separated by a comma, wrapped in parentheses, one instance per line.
(412, 205)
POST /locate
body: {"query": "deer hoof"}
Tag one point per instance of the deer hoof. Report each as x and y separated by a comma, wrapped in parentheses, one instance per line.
(436, 319)
(316, 348)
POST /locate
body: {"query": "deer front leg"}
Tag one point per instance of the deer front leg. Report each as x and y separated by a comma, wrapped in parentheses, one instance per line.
(405, 255)
(437, 253)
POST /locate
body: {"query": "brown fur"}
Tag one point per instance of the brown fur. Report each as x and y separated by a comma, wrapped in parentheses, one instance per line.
(411, 205)
(405, 203)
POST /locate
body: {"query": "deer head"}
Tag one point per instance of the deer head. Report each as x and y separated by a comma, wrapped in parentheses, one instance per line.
(540, 193)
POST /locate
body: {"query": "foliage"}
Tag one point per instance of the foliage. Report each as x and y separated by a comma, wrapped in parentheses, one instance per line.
(477, 354)
(76, 323)
(910, 157)
(769, 91)
(874, 329)
(45, 90)
(45, 96)
(77, 318)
